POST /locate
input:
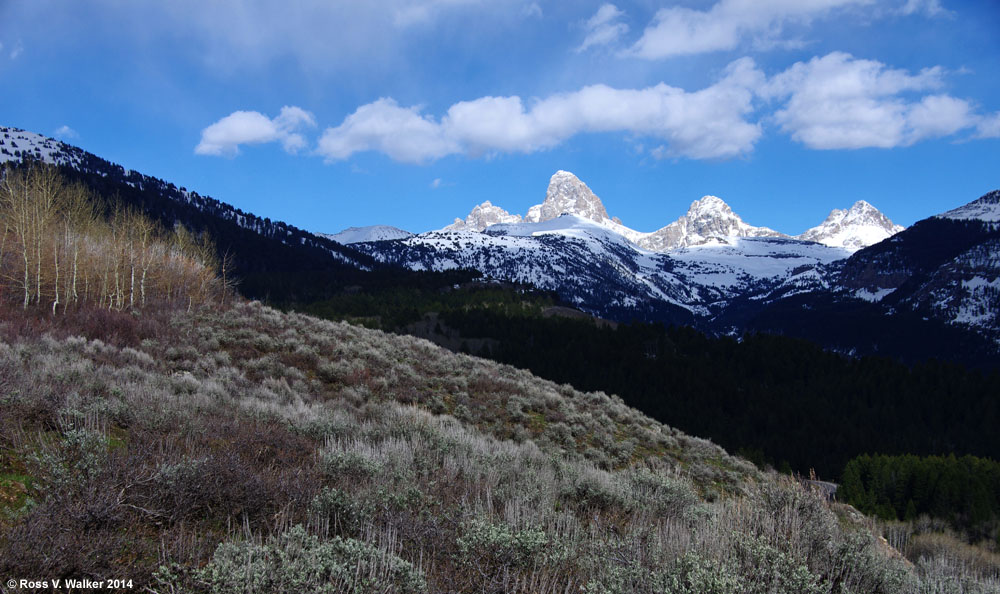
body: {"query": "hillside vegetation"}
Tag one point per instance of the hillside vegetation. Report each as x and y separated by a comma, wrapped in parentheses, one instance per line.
(157, 430)
(64, 248)
(246, 450)
(776, 400)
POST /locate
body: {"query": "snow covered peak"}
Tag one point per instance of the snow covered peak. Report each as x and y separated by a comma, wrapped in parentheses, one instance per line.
(17, 144)
(482, 216)
(986, 208)
(568, 195)
(366, 234)
(858, 227)
(709, 206)
(708, 220)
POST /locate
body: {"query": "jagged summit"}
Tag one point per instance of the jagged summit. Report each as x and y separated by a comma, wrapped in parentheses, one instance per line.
(482, 216)
(708, 220)
(568, 195)
(858, 227)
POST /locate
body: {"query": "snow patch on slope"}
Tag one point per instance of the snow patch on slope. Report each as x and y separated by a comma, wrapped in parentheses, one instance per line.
(363, 234)
(17, 144)
(986, 209)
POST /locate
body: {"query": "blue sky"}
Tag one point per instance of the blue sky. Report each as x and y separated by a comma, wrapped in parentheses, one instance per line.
(331, 113)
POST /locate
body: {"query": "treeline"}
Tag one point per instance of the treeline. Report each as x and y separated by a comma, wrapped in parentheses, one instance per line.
(775, 400)
(398, 307)
(963, 490)
(64, 247)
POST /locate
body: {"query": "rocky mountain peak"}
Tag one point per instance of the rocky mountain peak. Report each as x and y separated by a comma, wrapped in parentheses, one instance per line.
(858, 227)
(567, 194)
(482, 216)
(708, 220)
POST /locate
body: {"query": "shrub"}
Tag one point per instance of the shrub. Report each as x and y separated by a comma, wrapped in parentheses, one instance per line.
(296, 561)
(338, 513)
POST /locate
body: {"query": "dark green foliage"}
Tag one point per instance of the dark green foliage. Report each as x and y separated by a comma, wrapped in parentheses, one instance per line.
(965, 491)
(785, 401)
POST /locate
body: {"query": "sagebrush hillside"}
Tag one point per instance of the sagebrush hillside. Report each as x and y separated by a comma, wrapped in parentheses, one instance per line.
(246, 450)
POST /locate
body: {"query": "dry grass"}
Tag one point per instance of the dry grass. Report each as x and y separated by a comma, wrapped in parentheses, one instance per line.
(193, 447)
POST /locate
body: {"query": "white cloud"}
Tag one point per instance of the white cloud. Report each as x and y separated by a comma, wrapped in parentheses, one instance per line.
(65, 132)
(938, 115)
(988, 126)
(928, 7)
(384, 126)
(677, 31)
(533, 10)
(436, 183)
(706, 124)
(224, 137)
(604, 28)
(321, 35)
(839, 102)
(415, 12)
(17, 51)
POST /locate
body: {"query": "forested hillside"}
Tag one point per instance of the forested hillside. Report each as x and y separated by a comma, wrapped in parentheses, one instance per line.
(184, 440)
(776, 400)
(243, 449)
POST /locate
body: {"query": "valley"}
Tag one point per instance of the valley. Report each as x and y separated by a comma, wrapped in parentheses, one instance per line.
(237, 437)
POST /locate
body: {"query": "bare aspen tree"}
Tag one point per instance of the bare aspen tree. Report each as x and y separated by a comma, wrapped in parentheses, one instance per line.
(3, 243)
(45, 185)
(144, 231)
(55, 283)
(79, 219)
(68, 255)
(16, 197)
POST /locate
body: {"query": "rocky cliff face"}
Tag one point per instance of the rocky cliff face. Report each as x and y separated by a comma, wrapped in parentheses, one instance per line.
(566, 194)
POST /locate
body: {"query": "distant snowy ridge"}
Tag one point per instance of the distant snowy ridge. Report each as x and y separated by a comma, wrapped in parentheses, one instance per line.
(858, 227)
(482, 216)
(593, 266)
(986, 209)
(370, 233)
(708, 221)
(17, 145)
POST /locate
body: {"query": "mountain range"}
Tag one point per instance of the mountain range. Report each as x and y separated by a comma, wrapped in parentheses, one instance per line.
(708, 220)
(856, 283)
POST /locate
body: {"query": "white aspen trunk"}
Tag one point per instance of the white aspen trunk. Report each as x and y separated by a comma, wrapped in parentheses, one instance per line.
(55, 285)
(38, 255)
(27, 279)
(76, 258)
(3, 245)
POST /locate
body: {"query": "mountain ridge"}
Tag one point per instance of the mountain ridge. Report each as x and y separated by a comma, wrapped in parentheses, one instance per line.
(708, 220)
(943, 270)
